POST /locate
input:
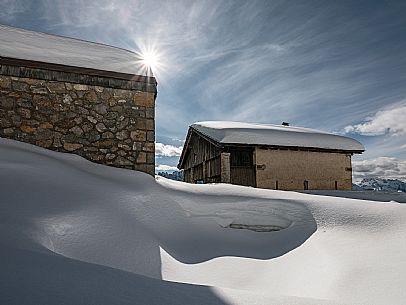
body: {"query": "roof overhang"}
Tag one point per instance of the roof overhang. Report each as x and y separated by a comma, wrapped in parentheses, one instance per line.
(230, 145)
(73, 69)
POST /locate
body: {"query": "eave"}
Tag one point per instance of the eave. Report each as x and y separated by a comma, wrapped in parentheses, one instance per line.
(74, 69)
(231, 145)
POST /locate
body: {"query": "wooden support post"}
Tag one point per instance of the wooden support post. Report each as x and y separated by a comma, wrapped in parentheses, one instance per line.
(225, 168)
(192, 179)
(204, 172)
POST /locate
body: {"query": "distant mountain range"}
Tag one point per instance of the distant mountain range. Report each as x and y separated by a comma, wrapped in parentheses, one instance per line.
(173, 175)
(379, 184)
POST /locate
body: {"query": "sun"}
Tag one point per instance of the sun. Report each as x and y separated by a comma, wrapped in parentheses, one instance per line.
(150, 59)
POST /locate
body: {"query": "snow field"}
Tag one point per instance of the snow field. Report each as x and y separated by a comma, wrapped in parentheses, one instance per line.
(74, 232)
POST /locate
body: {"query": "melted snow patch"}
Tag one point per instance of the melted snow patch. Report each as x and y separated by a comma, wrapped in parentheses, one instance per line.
(268, 223)
(255, 228)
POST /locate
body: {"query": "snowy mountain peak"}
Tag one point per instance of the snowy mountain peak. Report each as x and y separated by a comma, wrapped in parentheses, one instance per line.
(380, 184)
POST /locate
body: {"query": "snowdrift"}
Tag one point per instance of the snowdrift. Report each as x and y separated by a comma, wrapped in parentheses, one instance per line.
(74, 232)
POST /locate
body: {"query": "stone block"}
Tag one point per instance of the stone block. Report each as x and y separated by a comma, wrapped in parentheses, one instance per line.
(23, 102)
(56, 87)
(150, 124)
(19, 86)
(149, 146)
(76, 130)
(91, 96)
(142, 157)
(138, 135)
(8, 131)
(100, 127)
(122, 135)
(123, 161)
(99, 89)
(149, 113)
(104, 143)
(144, 99)
(5, 82)
(101, 109)
(92, 119)
(44, 143)
(80, 87)
(46, 125)
(5, 123)
(38, 89)
(107, 135)
(27, 129)
(150, 157)
(150, 136)
(150, 169)
(24, 113)
(7, 103)
(72, 146)
(140, 123)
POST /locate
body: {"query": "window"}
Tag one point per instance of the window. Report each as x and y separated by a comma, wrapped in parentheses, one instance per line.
(306, 185)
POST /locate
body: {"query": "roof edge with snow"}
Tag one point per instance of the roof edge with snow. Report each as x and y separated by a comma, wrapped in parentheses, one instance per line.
(224, 134)
(37, 50)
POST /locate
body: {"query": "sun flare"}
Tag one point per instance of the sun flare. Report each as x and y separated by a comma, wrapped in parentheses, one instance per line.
(150, 59)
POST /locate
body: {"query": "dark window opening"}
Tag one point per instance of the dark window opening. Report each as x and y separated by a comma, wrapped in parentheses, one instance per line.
(241, 158)
(306, 185)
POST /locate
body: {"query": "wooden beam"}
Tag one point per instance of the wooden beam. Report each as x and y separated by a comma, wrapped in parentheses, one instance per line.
(72, 69)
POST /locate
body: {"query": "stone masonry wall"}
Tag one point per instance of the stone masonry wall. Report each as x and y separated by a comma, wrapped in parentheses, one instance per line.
(105, 125)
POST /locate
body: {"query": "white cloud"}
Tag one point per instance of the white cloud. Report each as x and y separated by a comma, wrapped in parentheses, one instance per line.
(167, 150)
(382, 167)
(163, 167)
(391, 121)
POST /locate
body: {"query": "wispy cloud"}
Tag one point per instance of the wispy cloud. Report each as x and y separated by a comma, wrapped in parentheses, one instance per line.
(392, 121)
(167, 150)
(382, 167)
(316, 64)
(9, 9)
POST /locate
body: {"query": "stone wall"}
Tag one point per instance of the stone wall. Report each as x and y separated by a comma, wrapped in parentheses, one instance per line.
(103, 124)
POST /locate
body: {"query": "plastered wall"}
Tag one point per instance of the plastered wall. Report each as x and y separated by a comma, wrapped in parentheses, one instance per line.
(289, 169)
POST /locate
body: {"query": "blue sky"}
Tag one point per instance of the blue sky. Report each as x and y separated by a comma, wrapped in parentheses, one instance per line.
(338, 66)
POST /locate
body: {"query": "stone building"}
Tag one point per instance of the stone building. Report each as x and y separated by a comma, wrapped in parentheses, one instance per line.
(76, 96)
(267, 156)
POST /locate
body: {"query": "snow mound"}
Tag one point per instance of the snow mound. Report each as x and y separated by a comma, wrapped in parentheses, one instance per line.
(74, 232)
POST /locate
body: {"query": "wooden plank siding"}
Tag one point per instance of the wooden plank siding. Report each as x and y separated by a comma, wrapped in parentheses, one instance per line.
(201, 161)
(242, 166)
(243, 175)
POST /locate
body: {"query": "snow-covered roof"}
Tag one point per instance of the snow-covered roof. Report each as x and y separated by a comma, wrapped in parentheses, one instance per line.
(274, 135)
(34, 46)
